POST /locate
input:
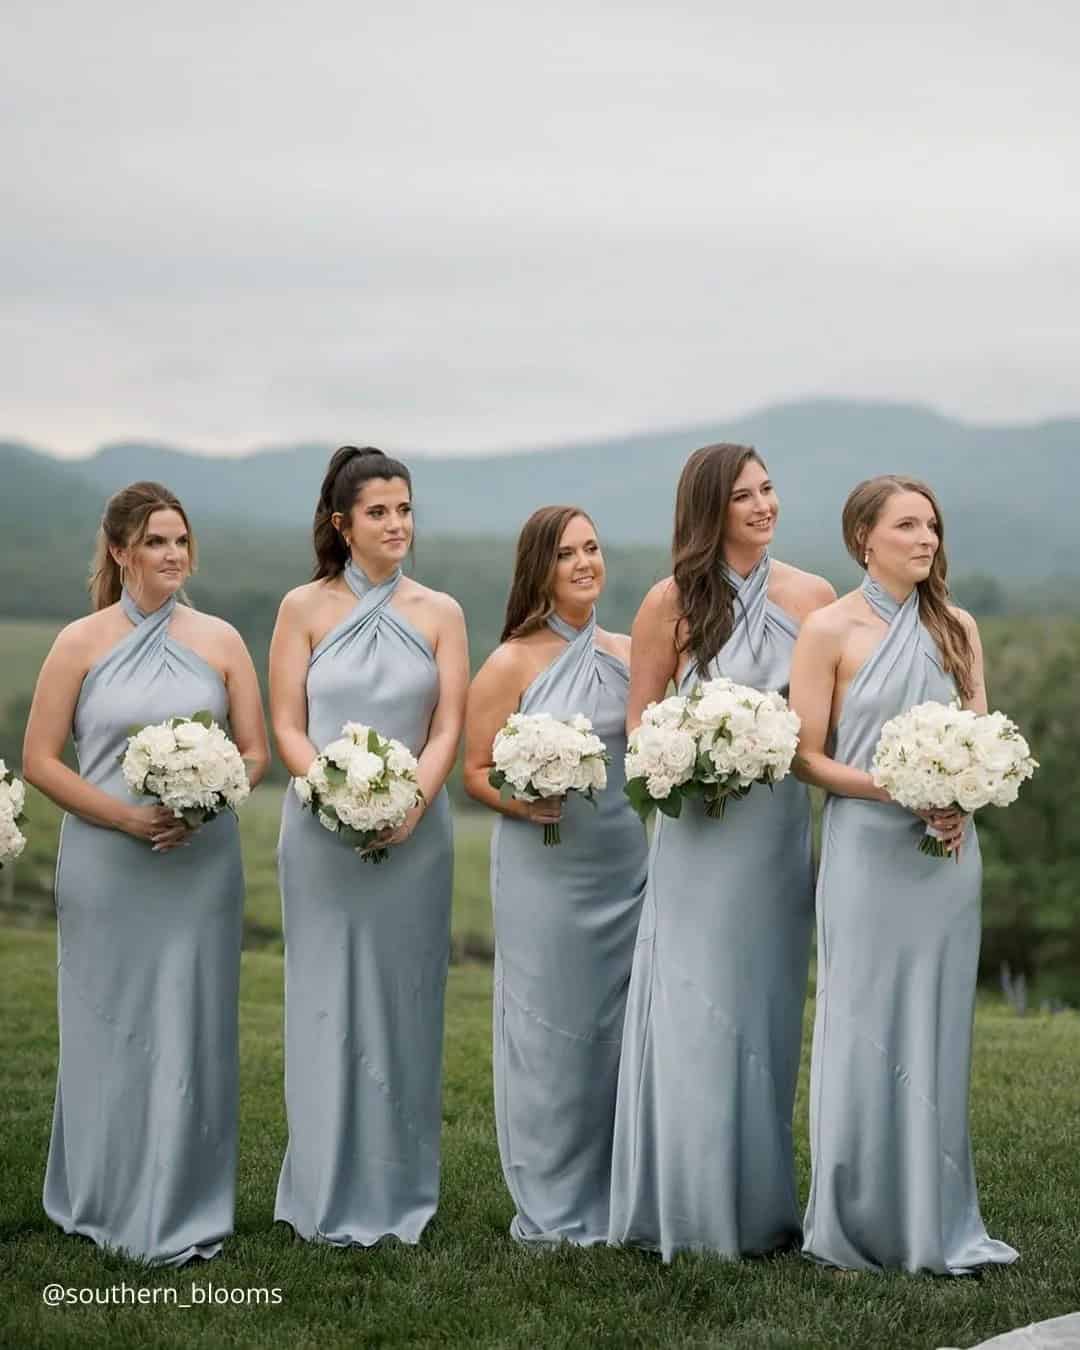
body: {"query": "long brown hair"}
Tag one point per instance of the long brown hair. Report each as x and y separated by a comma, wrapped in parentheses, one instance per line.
(125, 522)
(706, 602)
(862, 510)
(349, 469)
(532, 590)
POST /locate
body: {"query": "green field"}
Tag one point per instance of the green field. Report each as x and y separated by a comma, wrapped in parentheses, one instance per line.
(467, 1283)
(24, 644)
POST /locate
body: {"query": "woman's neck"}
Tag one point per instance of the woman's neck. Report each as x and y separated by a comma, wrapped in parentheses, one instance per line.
(899, 589)
(577, 616)
(377, 570)
(743, 558)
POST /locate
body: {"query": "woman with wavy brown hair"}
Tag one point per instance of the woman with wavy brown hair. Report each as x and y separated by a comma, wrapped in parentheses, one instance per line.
(703, 1149)
(898, 932)
(565, 917)
(143, 1150)
(366, 948)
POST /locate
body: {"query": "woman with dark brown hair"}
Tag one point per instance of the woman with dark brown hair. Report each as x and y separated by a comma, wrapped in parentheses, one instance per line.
(565, 917)
(143, 1150)
(703, 1153)
(366, 948)
(898, 932)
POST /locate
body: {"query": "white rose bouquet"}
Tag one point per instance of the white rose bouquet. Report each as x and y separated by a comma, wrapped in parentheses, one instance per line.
(714, 744)
(189, 764)
(360, 786)
(536, 755)
(936, 757)
(12, 799)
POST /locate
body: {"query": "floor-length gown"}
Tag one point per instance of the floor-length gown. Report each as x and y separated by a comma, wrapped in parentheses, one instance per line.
(898, 945)
(366, 953)
(703, 1155)
(143, 1149)
(565, 922)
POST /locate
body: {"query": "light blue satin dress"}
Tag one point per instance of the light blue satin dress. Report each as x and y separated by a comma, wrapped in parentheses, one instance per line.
(565, 921)
(143, 1149)
(703, 1156)
(366, 953)
(898, 948)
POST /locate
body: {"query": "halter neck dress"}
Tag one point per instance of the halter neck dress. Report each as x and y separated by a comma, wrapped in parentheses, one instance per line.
(565, 925)
(366, 954)
(898, 945)
(143, 1150)
(703, 1156)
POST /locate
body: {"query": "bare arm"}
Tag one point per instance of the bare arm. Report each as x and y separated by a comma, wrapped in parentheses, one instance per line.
(654, 658)
(493, 696)
(47, 730)
(813, 684)
(245, 708)
(290, 655)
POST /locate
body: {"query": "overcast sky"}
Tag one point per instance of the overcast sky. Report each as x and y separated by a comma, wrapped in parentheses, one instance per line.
(461, 226)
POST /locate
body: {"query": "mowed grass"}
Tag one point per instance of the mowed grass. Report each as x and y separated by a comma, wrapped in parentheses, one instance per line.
(467, 1283)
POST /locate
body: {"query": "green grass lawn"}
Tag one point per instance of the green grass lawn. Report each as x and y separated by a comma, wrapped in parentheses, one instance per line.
(467, 1283)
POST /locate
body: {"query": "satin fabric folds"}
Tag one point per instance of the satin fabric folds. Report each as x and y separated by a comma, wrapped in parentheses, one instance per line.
(898, 942)
(565, 922)
(143, 1150)
(366, 953)
(703, 1154)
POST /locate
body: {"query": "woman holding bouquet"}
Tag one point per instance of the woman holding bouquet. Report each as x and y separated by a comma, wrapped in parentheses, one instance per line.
(703, 1148)
(143, 1150)
(565, 916)
(366, 947)
(898, 931)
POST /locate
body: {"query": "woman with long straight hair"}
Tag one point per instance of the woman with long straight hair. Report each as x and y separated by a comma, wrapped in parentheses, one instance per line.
(143, 1149)
(366, 947)
(565, 917)
(898, 932)
(703, 1149)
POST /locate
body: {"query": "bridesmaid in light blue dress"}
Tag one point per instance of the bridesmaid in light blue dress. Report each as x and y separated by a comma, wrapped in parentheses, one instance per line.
(703, 1154)
(898, 932)
(366, 946)
(565, 916)
(143, 1151)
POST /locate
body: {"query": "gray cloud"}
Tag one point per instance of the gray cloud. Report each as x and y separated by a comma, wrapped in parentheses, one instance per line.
(482, 226)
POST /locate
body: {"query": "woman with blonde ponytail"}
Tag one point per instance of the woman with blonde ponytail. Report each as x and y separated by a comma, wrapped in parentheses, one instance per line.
(143, 1150)
(366, 948)
(898, 931)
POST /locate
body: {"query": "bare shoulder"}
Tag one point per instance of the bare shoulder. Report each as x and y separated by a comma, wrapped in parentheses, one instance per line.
(802, 592)
(82, 637)
(299, 600)
(615, 644)
(511, 662)
(968, 620)
(662, 601)
(832, 622)
(439, 602)
(213, 629)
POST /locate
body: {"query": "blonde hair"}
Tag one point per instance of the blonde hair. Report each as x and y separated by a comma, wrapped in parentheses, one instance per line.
(862, 510)
(125, 522)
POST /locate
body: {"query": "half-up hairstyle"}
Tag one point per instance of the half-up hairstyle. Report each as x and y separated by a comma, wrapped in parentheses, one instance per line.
(349, 469)
(862, 510)
(532, 590)
(706, 601)
(124, 524)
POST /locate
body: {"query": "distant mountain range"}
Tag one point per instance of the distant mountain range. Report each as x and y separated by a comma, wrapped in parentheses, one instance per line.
(1009, 494)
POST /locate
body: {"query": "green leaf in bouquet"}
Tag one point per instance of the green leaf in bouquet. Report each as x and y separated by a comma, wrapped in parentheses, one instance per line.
(671, 805)
(373, 741)
(195, 816)
(638, 795)
(496, 778)
(335, 776)
(693, 787)
(204, 717)
(326, 809)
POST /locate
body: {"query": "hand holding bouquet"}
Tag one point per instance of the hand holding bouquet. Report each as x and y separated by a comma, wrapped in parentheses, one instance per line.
(362, 787)
(12, 798)
(535, 755)
(189, 764)
(715, 744)
(937, 757)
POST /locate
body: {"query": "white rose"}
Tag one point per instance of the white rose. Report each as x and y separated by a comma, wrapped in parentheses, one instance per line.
(190, 735)
(552, 780)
